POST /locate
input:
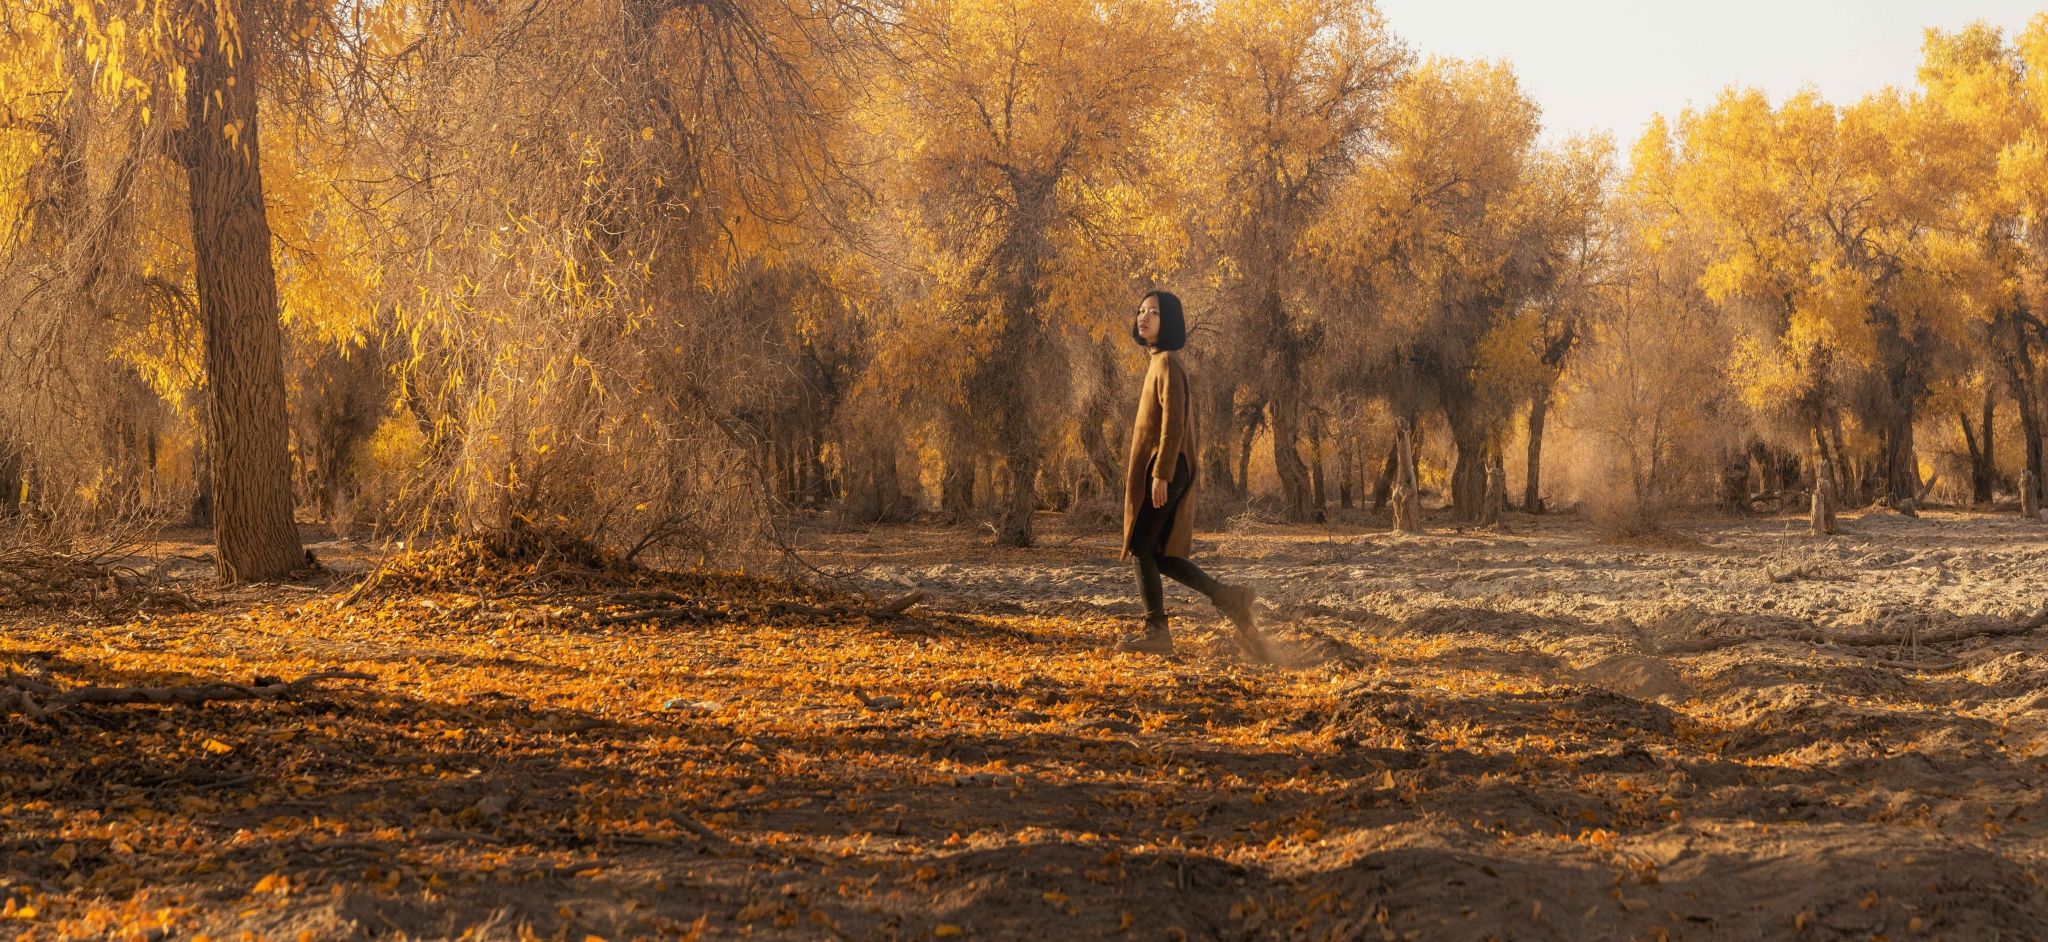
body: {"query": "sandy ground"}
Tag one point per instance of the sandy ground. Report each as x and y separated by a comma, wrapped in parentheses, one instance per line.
(1568, 763)
(1735, 731)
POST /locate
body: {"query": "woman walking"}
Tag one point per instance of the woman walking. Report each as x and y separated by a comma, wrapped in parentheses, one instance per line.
(1159, 506)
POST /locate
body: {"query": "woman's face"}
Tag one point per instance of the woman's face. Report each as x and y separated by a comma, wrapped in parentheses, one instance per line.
(1148, 319)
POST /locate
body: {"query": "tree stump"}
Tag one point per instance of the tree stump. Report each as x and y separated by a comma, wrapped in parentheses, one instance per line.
(2030, 495)
(1407, 494)
(1823, 519)
(1496, 496)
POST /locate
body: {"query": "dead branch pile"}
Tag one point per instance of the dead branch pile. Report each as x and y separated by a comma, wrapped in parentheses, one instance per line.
(33, 576)
(545, 575)
(522, 558)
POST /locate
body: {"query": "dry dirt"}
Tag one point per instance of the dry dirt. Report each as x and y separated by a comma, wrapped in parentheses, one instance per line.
(1734, 731)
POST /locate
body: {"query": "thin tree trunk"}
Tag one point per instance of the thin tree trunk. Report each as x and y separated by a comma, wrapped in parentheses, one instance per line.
(1532, 489)
(1244, 461)
(244, 345)
(201, 514)
(1347, 470)
(1318, 496)
(1990, 475)
(1981, 470)
(2019, 371)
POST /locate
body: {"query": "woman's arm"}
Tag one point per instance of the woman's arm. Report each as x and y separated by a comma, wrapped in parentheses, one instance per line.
(1173, 420)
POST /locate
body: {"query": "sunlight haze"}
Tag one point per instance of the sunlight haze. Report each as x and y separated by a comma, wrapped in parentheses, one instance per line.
(1611, 64)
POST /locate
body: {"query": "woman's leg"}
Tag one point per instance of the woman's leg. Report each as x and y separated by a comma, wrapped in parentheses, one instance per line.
(1149, 587)
(1186, 573)
(1147, 536)
(1179, 568)
(1234, 601)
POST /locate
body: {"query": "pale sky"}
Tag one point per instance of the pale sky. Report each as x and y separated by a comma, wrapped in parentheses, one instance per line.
(1611, 64)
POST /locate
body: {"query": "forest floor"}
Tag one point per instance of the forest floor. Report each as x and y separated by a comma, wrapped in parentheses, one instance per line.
(1734, 731)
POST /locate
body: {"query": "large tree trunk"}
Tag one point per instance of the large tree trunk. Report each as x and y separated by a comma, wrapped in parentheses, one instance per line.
(1219, 425)
(1383, 486)
(1900, 467)
(1295, 493)
(2019, 377)
(1532, 486)
(1735, 480)
(1496, 494)
(956, 487)
(1840, 467)
(817, 490)
(1019, 435)
(1468, 474)
(876, 490)
(1897, 475)
(1282, 382)
(1101, 457)
(957, 478)
(1022, 501)
(10, 481)
(1216, 469)
(253, 529)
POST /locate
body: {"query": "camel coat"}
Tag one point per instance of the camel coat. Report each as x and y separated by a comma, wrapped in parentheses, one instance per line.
(1165, 428)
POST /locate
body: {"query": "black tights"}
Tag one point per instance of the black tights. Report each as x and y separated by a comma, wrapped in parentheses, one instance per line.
(1153, 525)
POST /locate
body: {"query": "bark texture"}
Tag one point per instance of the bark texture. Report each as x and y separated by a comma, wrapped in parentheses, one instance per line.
(244, 345)
(1407, 494)
(1822, 517)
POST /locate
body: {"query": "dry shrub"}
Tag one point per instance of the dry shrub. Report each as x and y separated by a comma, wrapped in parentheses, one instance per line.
(580, 349)
(91, 560)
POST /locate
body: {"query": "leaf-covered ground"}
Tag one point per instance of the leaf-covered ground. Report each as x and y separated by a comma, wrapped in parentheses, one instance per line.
(1737, 733)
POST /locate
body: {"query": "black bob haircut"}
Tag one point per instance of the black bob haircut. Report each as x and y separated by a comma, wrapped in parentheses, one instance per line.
(1173, 328)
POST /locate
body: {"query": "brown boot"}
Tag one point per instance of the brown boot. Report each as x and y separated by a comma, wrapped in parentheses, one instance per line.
(1155, 638)
(1235, 601)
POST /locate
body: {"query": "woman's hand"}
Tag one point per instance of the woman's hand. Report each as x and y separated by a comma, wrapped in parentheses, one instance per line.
(1158, 493)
